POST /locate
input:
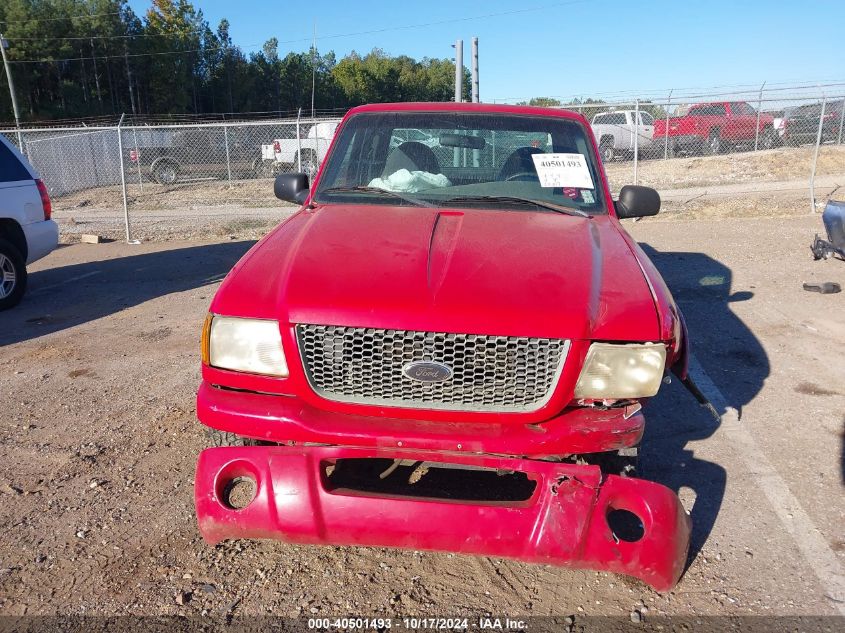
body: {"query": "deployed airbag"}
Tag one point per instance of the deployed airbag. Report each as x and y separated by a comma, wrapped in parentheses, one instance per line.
(410, 181)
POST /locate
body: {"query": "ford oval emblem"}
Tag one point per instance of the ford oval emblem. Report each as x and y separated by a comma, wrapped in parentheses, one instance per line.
(427, 371)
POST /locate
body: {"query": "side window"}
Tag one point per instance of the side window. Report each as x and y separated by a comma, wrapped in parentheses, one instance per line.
(646, 118)
(600, 119)
(11, 169)
(741, 108)
(710, 109)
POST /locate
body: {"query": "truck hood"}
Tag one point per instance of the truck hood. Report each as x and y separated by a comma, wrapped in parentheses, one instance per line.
(476, 271)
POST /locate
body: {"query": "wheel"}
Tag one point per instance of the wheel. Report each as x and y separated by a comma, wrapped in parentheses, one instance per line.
(222, 438)
(12, 275)
(165, 173)
(713, 145)
(607, 151)
(310, 164)
(769, 139)
(263, 168)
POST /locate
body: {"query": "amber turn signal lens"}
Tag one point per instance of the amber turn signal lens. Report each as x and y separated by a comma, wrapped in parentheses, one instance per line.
(206, 338)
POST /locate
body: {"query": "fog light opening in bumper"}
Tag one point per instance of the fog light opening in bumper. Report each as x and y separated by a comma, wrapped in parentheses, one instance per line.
(238, 492)
(624, 525)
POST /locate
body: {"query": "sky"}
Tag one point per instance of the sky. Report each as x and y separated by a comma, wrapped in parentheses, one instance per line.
(609, 48)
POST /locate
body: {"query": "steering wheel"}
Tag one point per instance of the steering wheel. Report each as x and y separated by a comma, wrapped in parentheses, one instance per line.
(523, 175)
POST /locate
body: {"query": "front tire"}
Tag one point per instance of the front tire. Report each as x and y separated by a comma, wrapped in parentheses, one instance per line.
(608, 153)
(166, 173)
(713, 145)
(12, 275)
(769, 139)
(310, 164)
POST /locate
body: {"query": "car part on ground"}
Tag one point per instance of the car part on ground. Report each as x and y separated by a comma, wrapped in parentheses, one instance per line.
(833, 218)
(825, 288)
(560, 514)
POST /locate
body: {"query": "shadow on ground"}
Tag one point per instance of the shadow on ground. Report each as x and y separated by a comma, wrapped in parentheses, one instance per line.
(66, 296)
(734, 359)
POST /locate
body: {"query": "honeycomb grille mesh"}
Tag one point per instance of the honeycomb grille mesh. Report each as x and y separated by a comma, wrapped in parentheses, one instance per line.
(490, 373)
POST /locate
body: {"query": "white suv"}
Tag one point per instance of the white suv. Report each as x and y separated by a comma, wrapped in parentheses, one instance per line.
(26, 231)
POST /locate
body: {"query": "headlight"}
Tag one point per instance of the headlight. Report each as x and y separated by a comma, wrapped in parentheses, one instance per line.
(618, 371)
(250, 345)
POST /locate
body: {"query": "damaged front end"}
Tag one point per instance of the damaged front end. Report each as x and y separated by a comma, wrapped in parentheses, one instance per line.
(529, 510)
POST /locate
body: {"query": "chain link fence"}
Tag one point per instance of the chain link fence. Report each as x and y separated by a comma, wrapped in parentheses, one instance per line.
(761, 152)
(743, 153)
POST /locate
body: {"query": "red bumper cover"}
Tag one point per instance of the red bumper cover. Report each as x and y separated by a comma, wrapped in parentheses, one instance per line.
(564, 522)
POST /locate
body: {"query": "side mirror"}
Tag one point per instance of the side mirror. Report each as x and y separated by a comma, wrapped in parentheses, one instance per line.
(291, 187)
(637, 202)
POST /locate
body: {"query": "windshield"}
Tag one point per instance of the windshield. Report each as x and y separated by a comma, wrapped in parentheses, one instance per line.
(463, 159)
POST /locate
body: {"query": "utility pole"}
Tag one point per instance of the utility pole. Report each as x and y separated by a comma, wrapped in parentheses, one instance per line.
(475, 98)
(96, 75)
(129, 77)
(459, 90)
(4, 44)
(313, 70)
(459, 71)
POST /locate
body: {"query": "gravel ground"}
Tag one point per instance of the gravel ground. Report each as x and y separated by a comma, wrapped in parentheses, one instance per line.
(98, 440)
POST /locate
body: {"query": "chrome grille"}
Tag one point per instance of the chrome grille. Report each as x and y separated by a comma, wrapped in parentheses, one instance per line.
(490, 373)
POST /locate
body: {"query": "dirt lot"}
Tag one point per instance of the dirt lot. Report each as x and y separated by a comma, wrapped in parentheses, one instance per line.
(98, 440)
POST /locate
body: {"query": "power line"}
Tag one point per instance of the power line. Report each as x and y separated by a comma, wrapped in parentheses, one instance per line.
(325, 37)
(440, 22)
(99, 37)
(67, 17)
(86, 58)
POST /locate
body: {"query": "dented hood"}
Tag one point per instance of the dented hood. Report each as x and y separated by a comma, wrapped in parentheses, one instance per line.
(475, 271)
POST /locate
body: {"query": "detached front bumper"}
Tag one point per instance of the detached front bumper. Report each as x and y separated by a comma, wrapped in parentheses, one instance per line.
(564, 522)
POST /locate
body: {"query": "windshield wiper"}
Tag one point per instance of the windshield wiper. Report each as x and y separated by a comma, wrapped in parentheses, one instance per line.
(540, 203)
(382, 192)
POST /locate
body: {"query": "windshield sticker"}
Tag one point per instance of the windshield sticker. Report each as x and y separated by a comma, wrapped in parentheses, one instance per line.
(563, 170)
(588, 197)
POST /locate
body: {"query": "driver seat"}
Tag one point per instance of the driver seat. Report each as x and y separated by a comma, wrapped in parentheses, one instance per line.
(412, 156)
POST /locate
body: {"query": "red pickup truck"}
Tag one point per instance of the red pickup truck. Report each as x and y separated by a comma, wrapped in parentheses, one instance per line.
(446, 348)
(711, 128)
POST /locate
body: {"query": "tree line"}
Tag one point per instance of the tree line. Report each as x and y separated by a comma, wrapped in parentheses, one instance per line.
(86, 58)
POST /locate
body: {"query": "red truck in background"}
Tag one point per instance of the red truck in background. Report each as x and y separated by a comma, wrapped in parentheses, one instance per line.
(712, 128)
